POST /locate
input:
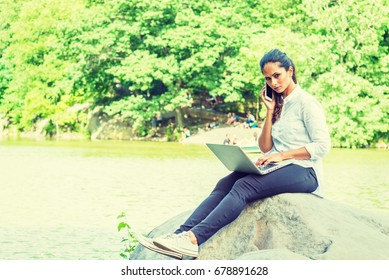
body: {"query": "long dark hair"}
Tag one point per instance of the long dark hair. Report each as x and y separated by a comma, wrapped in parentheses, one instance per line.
(275, 55)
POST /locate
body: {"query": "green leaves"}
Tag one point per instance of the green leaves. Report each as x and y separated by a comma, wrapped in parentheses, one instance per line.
(128, 239)
(356, 109)
(136, 57)
(122, 225)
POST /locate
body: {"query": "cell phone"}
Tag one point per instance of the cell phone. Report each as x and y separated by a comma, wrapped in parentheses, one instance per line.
(268, 92)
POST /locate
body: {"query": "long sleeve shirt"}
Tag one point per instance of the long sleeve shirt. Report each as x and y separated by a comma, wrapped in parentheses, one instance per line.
(303, 124)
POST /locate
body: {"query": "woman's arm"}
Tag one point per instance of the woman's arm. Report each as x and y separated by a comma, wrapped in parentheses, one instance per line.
(315, 122)
(316, 128)
(265, 141)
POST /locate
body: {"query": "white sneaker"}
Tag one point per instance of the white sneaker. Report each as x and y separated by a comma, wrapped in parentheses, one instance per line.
(148, 243)
(179, 243)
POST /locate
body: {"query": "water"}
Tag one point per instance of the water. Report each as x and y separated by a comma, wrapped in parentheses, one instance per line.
(60, 200)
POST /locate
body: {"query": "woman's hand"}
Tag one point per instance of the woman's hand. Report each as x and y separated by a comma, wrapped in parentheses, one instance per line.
(270, 105)
(265, 160)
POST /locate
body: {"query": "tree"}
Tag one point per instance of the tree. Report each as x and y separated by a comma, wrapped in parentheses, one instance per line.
(39, 85)
(136, 57)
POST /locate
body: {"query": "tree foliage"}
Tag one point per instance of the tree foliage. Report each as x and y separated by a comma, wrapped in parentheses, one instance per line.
(136, 57)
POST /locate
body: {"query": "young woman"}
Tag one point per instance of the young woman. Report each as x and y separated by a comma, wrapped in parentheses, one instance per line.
(295, 128)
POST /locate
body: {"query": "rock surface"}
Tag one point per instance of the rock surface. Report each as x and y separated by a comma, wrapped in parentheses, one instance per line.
(291, 226)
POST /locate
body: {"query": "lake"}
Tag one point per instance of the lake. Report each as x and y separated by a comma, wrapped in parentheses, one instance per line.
(61, 199)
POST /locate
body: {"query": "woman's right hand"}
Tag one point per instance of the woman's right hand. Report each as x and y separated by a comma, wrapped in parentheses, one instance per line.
(270, 105)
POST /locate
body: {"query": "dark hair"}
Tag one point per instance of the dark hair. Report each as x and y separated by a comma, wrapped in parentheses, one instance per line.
(275, 55)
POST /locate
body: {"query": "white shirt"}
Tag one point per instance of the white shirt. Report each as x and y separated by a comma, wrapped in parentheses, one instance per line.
(303, 124)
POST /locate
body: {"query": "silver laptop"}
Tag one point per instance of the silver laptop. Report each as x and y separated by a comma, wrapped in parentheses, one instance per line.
(235, 159)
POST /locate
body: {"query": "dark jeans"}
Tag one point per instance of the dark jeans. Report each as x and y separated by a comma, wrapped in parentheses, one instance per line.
(233, 192)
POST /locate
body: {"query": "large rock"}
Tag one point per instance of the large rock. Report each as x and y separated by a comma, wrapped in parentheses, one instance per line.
(104, 127)
(292, 226)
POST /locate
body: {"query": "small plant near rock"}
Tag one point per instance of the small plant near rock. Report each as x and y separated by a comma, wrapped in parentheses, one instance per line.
(128, 239)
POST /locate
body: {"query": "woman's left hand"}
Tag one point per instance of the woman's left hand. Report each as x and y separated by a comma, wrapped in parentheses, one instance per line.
(270, 105)
(265, 160)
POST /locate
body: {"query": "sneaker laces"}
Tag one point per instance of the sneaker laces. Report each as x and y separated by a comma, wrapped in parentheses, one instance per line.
(170, 236)
(176, 236)
(183, 235)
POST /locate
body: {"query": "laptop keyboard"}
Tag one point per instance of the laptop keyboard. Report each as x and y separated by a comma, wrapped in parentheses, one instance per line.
(270, 165)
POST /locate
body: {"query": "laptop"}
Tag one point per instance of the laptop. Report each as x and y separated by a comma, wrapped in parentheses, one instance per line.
(235, 159)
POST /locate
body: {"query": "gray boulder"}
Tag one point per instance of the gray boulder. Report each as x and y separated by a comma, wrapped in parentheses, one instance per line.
(291, 226)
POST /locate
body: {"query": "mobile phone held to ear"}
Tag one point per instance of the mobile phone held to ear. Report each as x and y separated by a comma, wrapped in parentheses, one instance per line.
(268, 92)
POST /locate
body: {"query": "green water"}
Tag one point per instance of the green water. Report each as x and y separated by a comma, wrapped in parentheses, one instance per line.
(60, 200)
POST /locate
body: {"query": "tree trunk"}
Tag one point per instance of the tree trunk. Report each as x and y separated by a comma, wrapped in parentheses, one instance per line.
(179, 117)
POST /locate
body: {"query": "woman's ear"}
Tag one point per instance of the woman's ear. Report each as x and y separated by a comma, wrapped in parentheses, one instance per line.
(290, 71)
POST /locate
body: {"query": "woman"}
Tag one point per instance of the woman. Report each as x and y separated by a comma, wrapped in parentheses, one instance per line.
(295, 128)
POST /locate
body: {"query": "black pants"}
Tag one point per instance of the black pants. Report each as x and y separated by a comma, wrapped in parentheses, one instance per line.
(233, 192)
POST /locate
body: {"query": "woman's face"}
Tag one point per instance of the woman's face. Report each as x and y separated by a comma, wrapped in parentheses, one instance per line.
(278, 78)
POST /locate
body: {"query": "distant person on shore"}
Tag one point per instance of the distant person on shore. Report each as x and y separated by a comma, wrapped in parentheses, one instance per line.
(159, 118)
(227, 140)
(185, 134)
(214, 101)
(250, 121)
(212, 125)
(154, 125)
(232, 119)
(234, 140)
(295, 128)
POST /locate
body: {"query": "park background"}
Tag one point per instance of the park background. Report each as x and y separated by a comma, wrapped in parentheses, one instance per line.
(66, 64)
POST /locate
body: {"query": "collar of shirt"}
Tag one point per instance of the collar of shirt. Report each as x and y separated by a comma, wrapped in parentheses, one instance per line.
(293, 95)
